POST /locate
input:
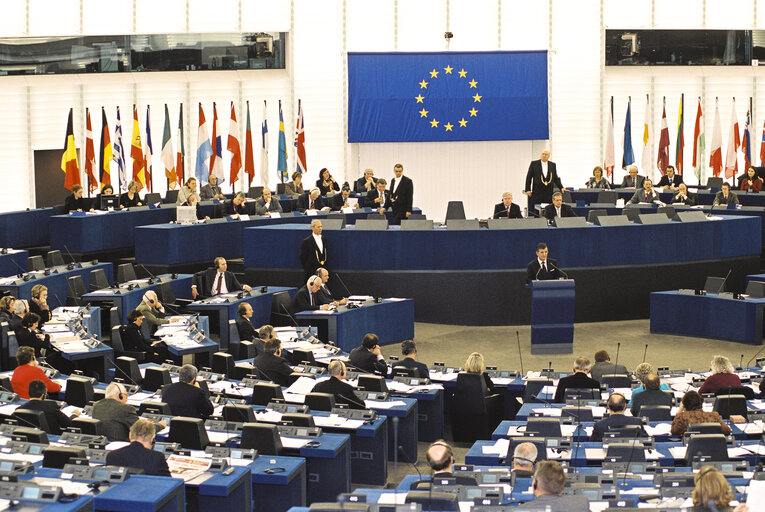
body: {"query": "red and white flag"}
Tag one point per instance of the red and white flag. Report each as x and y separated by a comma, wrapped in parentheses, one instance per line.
(734, 141)
(300, 141)
(715, 152)
(216, 159)
(233, 146)
(762, 146)
(662, 160)
(608, 158)
(90, 155)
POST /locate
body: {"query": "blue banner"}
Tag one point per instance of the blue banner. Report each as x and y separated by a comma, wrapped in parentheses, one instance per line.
(447, 96)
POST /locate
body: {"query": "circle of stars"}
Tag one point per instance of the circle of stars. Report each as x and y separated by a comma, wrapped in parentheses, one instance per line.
(448, 126)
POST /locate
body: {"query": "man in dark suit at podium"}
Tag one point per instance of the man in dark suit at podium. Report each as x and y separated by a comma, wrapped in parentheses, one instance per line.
(541, 178)
(507, 209)
(557, 208)
(542, 268)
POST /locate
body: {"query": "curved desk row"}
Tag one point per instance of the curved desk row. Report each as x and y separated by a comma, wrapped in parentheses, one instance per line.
(705, 197)
(477, 277)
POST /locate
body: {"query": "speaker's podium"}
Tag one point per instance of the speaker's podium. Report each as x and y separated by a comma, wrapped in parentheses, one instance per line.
(552, 316)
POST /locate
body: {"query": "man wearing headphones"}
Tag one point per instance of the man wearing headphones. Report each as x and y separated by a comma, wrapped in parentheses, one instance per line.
(524, 457)
(343, 392)
(116, 414)
(616, 404)
(139, 453)
(153, 311)
(548, 484)
(440, 457)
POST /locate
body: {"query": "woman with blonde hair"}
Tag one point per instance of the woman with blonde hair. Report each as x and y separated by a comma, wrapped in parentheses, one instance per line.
(711, 487)
(131, 198)
(39, 303)
(475, 364)
(722, 376)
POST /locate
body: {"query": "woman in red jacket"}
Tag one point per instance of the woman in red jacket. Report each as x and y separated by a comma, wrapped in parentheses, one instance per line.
(722, 376)
(751, 182)
(27, 371)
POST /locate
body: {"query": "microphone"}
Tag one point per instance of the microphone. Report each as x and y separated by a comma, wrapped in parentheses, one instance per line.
(722, 286)
(343, 283)
(536, 277)
(291, 317)
(558, 269)
(549, 367)
(645, 352)
(755, 356)
(74, 262)
(710, 210)
(520, 354)
(23, 272)
(618, 347)
(152, 277)
(741, 361)
(403, 454)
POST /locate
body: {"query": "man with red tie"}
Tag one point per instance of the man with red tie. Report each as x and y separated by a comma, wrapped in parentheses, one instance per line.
(308, 297)
(507, 209)
(216, 281)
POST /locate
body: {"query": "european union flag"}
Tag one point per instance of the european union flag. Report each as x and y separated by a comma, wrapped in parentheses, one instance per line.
(447, 96)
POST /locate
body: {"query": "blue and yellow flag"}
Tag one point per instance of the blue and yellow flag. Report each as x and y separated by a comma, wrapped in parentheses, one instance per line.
(447, 96)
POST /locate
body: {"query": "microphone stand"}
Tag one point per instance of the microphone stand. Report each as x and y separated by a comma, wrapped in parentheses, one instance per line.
(520, 353)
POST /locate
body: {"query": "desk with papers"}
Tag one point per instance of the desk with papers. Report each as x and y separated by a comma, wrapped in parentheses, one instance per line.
(187, 335)
(69, 330)
(56, 282)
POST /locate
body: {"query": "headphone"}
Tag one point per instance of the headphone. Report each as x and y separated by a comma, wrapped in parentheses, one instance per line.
(438, 465)
(528, 461)
(609, 403)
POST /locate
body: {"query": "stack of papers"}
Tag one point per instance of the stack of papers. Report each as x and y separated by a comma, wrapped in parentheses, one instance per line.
(294, 442)
(187, 468)
(499, 448)
(377, 404)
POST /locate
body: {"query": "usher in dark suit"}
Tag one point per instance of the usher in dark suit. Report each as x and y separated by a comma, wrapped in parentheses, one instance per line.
(533, 271)
(501, 212)
(541, 192)
(310, 256)
(136, 455)
(402, 198)
(550, 212)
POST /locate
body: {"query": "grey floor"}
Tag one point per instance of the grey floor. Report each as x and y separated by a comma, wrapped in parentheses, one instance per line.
(452, 344)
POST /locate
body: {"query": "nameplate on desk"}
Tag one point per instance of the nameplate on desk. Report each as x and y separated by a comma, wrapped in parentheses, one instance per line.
(286, 408)
(212, 376)
(293, 431)
(94, 473)
(355, 414)
(224, 426)
(234, 453)
(29, 491)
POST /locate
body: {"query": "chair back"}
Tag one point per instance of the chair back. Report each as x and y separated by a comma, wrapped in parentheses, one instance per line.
(626, 432)
(125, 272)
(241, 413)
(301, 355)
(580, 414)
(152, 407)
(533, 388)
(594, 214)
(35, 263)
(280, 308)
(607, 196)
(188, 432)
(320, 401)
(166, 293)
(404, 371)
(98, 280)
(434, 500)
(726, 405)
(90, 426)
(372, 383)
(246, 349)
(152, 198)
(656, 412)
(616, 380)
(546, 427)
(713, 446)
(265, 392)
(233, 334)
(223, 363)
(299, 419)
(171, 196)
(625, 452)
(54, 259)
(736, 390)
(262, 437)
(582, 394)
(31, 418)
(155, 377)
(59, 456)
(127, 368)
(455, 210)
(704, 428)
(79, 391)
(75, 290)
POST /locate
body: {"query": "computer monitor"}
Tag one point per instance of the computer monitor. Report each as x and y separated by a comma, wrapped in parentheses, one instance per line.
(110, 201)
(186, 214)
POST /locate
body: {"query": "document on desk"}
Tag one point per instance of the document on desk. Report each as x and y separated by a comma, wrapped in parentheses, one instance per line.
(138, 398)
(744, 450)
(302, 386)
(21, 457)
(756, 427)
(8, 409)
(756, 492)
(377, 404)
(499, 448)
(67, 486)
(170, 330)
(443, 376)
(294, 442)
(268, 416)
(71, 347)
(220, 437)
(336, 421)
(55, 327)
(678, 452)
(658, 430)
(187, 468)
(392, 498)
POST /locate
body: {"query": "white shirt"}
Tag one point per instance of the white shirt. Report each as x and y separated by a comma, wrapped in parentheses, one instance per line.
(544, 168)
(557, 209)
(223, 289)
(397, 183)
(319, 244)
(543, 264)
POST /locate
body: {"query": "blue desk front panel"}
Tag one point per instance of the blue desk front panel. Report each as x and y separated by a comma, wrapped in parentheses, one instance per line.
(57, 283)
(141, 493)
(27, 228)
(13, 263)
(224, 492)
(486, 249)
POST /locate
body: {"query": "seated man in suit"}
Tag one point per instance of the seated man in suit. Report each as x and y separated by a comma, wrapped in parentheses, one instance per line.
(616, 405)
(647, 194)
(379, 198)
(725, 196)
(20, 310)
(580, 379)
(633, 180)
(211, 190)
(236, 206)
(524, 458)
(548, 484)
(38, 401)
(343, 392)
(366, 183)
(653, 395)
(133, 339)
(185, 397)
(217, 280)
(440, 457)
(507, 209)
(140, 452)
(683, 197)
(542, 268)
(308, 298)
(267, 204)
(244, 323)
(310, 201)
(557, 208)
(271, 364)
(409, 351)
(368, 357)
(116, 414)
(324, 293)
(670, 181)
(339, 201)
(265, 333)
(152, 311)
(603, 366)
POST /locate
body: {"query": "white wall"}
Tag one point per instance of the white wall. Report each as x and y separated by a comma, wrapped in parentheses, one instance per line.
(33, 109)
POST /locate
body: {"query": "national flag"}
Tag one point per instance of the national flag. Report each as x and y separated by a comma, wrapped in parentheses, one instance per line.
(233, 146)
(646, 159)
(180, 156)
(168, 155)
(698, 146)
(148, 155)
(608, 158)
(662, 160)
(300, 141)
(119, 156)
(105, 151)
(734, 141)
(281, 166)
(90, 155)
(628, 156)
(69, 158)
(715, 155)
(746, 140)
(264, 149)
(680, 141)
(762, 146)
(249, 156)
(216, 159)
(136, 153)
(204, 149)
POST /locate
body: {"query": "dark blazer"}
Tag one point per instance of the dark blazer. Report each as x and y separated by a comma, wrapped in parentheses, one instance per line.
(616, 421)
(336, 202)
(71, 204)
(127, 202)
(273, 206)
(358, 185)
(558, 503)
(664, 181)
(133, 340)
(533, 272)
(15, 322)
(229, 208)
(27, 338)
(366, 361)
(607, 368)
(500, 212)
(720, 199)
(276, 368)
(304, 202)
(291, 190)
(326, 190)
(44, 314)
(136, 455)
(207, 192)
(550, 212)
(689, 199)
(650, 397)
(324, 295)
(369, 200)
(576, 381)
(408, 362)
(541, 193)
(57, 420)
(344, 392)
(232, 283)
(302, 301)
(187, 400)
(310, 256)
(627, 182)
(5, 316)
(116, 417)
(640, 196)
(402, 198)
(245, 328)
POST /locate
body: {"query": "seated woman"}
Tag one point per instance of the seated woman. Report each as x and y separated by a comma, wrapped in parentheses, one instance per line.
(130, 198)
(690, 413)
(751, 182)
(28, 336)
(192, 201)
(474, 364)
(683, 197)
(711, 488)
(236, 206)
(722, 376)
(294, 188)
(106, 190)
(39, 303)
(6, 308)
(27, 371)
(326, 182)
(188, 189)
(134, 341)
(75, 202)
(267, 204)
(597, 180)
